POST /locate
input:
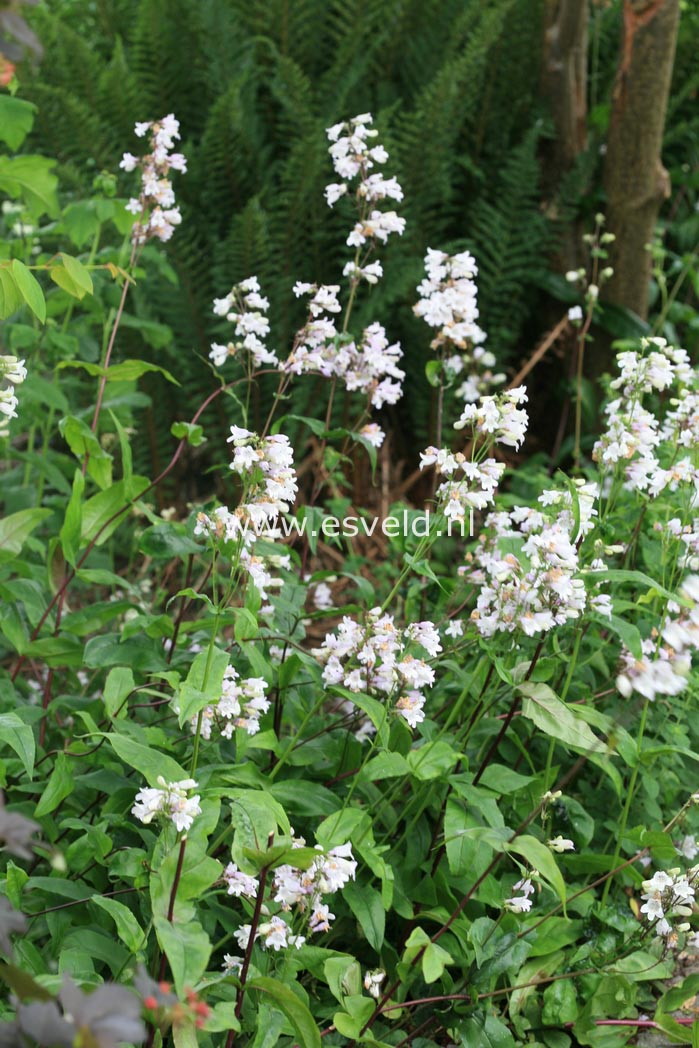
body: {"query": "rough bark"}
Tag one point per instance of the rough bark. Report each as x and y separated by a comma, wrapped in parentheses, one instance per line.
(635, 180)
(564, 85)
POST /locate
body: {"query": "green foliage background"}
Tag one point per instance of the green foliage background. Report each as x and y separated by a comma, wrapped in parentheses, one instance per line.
(454, 88)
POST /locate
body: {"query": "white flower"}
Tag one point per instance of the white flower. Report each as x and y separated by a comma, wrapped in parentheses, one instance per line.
(575, 314)
(410, 707)
(373, 980)
(170, 800)
(561, 844)
(239, 883)
(518, 904)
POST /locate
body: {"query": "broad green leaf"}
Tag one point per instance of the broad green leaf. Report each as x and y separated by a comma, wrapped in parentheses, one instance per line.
(104, 512)
(295, 1010)
(149, 762)
(556, 719)
(15, 529)
(16, 120)
(184, 1035)
(80, 222)
(59, 786)
(434, 961)
(191, 432)
(29, 288)
(344, 976)
(63, 650)
(560, 1003)
(20, 738)
(539, 857)
(79, 274)
(31, 179)
(128, 928)
(10, 297)
(118, 685)
(434, 760)
(203, 683)
(365, 903)
(82, 441)
(187, 948)
(485, 1031)
(62, 278)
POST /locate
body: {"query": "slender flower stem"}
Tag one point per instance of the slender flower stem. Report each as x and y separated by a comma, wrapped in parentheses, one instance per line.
(110, 347)
(173, 897)
(251, 942)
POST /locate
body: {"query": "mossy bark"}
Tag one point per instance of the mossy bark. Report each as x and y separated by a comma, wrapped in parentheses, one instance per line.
(635, 180)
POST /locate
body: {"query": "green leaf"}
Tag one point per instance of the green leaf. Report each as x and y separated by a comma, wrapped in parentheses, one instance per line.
(59, 786)
(365, 903)
(63, 650)
(10, 297)
(184, 1034)
(82, 441)
(434, 372)
(20, 738)
(203, 683)
(16, 120)
(187, 948)
(71, 528)
(29, 288)
(104, 512)
(434, 760)
(539, 857)
(30, 178)
(295, 1010)
(78, 273)
(628, 633)
(434, 960)
(61, 277)
(556, 719)
(344, 977)
(149, 762)
(189, 431)
(15, 529)
(128, 928)
(80, 222)
(560, 1003)
(119, 683)
(485, 1032)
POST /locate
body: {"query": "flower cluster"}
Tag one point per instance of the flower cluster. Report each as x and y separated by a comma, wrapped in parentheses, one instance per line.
(521, 903)
(293, 888)
(354, 156)
(368, 365)
(155, 206)
(669, 894)
(375, 657)
(170, 801)
(266, 466)
(449, 302)
(474, 489)
(633, 436)
(241, 705)
(666, 659)
(527, 566)
(246, 308)
(497, 419)
(12, 373)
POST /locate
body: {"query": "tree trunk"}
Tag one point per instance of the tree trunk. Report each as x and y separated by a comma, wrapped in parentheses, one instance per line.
(635, 180)
(564, 86)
